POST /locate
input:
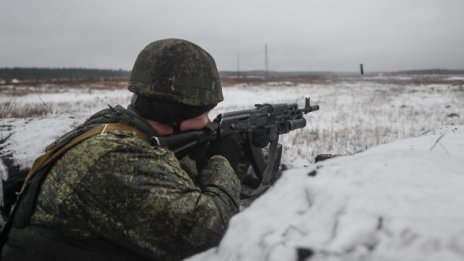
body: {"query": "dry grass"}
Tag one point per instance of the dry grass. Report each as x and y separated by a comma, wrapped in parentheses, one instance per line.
(5, 111)
(55, 86)
(29, 112)
(8, 110)
(355, 114)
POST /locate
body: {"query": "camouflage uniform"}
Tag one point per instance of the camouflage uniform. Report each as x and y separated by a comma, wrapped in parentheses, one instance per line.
(117, 191)
(119, 188)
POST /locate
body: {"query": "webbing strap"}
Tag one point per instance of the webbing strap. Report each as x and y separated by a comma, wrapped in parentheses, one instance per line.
(51, 155)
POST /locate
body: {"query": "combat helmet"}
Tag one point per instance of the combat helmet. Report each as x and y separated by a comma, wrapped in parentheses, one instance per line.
(174, 77)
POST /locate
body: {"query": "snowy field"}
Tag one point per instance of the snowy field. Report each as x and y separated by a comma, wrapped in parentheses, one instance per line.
(354, 116)
(399, 201)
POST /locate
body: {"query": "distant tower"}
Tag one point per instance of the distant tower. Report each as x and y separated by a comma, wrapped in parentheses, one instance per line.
(266, 62)
(361, 69)
(238, 66)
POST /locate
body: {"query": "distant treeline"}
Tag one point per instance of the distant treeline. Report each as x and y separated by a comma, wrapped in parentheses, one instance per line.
(428, 71)
(278, 74)
(295, 74)
(59, 73)
(9, 74)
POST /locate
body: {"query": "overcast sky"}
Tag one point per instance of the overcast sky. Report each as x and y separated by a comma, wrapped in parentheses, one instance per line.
(304, 35)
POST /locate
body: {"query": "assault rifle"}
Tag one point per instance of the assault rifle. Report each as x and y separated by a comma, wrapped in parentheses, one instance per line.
(271, 120)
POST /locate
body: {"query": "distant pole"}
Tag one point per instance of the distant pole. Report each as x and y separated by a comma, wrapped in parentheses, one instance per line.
(238, 66)
(266, 62)
(361, 68)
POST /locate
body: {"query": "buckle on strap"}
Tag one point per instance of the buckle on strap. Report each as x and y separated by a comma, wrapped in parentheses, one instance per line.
(103, 132)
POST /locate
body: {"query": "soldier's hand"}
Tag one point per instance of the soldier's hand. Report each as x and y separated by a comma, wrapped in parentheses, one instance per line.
(260, 137)
(229, 147)
(199, 155)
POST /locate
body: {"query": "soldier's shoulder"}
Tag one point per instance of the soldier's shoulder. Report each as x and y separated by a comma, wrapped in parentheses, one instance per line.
(127, 140)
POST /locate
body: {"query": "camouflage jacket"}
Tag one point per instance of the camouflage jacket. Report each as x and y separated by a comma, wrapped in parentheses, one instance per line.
(120, 188)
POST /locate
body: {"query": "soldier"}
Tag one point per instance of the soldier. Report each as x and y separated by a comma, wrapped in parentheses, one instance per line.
(111, 195)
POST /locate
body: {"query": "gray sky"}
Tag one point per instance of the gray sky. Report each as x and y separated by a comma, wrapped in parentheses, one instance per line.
(305, 35)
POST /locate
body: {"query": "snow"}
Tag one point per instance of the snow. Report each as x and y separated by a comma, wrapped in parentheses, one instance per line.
(353, 115)
(399, 201)
(25, 139)
(403, 200)
(455, 78)
(29, 137)
(71, 101)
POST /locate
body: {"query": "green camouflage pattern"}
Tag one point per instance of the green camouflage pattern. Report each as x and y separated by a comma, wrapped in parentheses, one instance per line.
(175, 70)
(119, 188)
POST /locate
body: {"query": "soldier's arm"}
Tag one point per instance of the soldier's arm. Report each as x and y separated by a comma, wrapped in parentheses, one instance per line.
(146, 202)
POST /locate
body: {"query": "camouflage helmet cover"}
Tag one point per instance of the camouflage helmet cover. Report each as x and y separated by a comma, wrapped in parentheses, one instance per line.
(177, 71)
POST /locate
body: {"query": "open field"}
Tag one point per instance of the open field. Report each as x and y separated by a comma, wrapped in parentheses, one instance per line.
(356, 113)
(399, 201)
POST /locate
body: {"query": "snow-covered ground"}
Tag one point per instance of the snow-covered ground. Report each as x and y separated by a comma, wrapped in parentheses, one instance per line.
(399, 201)
(25, 139)
(354, 116)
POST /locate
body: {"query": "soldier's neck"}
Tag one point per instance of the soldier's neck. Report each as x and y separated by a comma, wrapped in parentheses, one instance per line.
(161, 128)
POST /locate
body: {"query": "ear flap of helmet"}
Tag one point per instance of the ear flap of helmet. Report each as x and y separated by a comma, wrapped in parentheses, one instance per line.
(165, 112)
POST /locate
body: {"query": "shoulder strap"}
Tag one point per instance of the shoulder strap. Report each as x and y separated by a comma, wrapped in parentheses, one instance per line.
(54, 153)
(43, 163)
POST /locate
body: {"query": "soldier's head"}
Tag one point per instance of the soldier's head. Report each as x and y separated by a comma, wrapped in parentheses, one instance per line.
(174, 80)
